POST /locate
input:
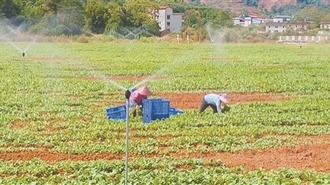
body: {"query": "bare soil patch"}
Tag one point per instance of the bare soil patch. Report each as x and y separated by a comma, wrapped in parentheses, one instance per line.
(193, 100)
(48, 156)
(18, 124)
(314, 155)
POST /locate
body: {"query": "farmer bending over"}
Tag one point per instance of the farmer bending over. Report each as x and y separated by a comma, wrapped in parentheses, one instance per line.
(136, 99)
(215, 101)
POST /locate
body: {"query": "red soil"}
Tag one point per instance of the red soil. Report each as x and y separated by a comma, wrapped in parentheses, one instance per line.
(193, 100)
(313, 153)
(48, 156)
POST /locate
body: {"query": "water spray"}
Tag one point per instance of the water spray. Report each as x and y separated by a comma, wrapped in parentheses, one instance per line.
(176, 62)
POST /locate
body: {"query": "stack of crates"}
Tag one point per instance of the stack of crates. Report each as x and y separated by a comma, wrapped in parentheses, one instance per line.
(116, 113)
(155, 109)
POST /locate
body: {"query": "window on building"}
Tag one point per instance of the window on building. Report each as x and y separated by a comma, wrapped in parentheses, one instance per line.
(168, 16)
(168, 24)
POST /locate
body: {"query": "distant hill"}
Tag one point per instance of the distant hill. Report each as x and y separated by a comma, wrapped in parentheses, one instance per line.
(238, 6)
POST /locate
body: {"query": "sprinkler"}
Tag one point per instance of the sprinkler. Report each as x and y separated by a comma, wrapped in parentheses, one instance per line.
(127, 94)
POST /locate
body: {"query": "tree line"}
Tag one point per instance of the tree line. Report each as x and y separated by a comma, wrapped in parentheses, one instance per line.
(72, 17)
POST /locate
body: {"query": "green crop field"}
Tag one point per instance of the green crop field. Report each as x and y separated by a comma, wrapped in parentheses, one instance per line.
(54, 129)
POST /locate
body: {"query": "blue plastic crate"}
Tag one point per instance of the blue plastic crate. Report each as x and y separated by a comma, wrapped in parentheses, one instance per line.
(116, 113)
(174, 111)
(150, 118)
(154, 109)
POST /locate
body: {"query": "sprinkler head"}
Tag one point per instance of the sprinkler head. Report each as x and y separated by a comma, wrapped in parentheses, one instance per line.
(23, 54)
(127, 94)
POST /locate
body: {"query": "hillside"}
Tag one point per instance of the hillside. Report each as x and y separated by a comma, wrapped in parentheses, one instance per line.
(268, 4)
(234, 6)
(238, 6)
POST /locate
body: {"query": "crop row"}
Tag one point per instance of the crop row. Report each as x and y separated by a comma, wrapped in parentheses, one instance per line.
(151, 171)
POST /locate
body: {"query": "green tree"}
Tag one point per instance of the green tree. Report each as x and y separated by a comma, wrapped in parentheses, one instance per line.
(94, 16)
(53, 17)
(193, 18)
(193, 26)
(50, 6)
(139, 12)
(312, 14)
(32, 11)
(70, 13)
(113, 16)
(216, 18)
(119, 2)
(9, 9)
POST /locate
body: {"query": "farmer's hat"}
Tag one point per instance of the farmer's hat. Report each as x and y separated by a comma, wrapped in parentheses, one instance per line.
(144, 91)
(224, 98)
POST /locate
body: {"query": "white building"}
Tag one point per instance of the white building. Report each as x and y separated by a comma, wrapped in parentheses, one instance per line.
(281, 18)
(247, 21)
(168, 20)
(274, 27)
(325, 26)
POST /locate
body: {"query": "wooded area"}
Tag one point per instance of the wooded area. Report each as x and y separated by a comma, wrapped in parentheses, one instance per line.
(71, 17)
(76, 17)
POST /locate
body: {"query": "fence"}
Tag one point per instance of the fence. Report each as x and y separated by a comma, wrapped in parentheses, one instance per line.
(303, 39)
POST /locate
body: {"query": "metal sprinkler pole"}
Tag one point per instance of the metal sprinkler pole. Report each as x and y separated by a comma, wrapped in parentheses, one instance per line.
(127, 95)
(24, 84)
